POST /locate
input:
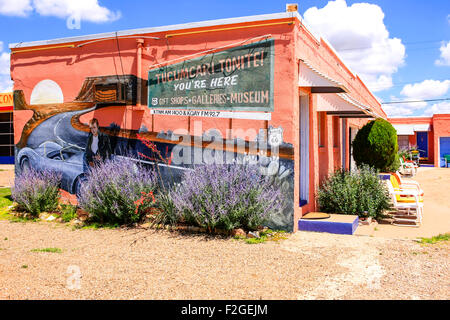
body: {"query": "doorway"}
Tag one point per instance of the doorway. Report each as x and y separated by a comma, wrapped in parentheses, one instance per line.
(351, 137)
(422, 143)
(304, 150)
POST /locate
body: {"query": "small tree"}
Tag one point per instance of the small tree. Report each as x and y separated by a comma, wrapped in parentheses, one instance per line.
(376, 145)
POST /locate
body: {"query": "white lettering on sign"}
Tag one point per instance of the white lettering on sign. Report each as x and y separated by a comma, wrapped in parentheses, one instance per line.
(213, 114)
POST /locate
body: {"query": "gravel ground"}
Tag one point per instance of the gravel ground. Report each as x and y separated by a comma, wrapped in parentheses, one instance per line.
(6, 175)
(146, 264)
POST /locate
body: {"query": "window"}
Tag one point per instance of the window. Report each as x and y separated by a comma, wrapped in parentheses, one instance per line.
(403, 142)
(336, 132)
(321, 127)
(109, 93)
(6, 135)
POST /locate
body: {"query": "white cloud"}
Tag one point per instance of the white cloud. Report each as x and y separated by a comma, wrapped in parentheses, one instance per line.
(444, 60)
(5, 79)
(361, 38)
(427, 89)
(6, 85)
(87, 10)
(393, 110)
(21, 8)
(402, 109)
(4, 63)
(441, 107)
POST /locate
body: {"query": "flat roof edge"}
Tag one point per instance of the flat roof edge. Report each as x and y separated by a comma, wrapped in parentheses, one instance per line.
(190, 25)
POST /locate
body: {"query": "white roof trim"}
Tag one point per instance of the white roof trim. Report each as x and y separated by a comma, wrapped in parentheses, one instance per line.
(404, 129)
(336, 102)
(409, 129)
(207, 23)
(422, 127)
(368, 108)
(311, 77)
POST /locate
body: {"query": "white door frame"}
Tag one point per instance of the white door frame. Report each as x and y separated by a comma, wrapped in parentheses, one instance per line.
(304, 147)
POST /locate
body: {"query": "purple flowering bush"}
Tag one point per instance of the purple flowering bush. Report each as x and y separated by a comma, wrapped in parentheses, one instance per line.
(112, 192)
(36, 191)
(226, 196)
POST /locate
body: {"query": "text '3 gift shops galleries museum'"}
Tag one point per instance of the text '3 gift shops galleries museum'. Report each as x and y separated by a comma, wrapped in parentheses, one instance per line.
(262, 89)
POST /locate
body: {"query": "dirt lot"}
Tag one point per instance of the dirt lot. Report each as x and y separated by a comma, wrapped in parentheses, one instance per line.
(6, 175)
(143, 264)
(164, 265)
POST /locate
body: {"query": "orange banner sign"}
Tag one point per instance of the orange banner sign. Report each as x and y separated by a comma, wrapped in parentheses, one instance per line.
(6, 102)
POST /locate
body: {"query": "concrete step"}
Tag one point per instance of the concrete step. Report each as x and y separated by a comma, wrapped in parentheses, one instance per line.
(401, 223)
(405, 217)
(336, 223)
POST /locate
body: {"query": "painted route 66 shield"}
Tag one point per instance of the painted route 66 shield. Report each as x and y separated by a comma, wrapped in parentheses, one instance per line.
(275, 136)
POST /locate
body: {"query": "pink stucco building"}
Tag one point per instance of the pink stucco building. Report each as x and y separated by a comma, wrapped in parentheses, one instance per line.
(430, 134)
(291, 88)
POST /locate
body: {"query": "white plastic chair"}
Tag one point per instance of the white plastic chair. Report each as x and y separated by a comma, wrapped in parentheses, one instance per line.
(407, 168)
(406, 207)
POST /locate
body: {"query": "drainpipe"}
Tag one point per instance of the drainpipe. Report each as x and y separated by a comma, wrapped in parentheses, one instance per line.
(140, 44)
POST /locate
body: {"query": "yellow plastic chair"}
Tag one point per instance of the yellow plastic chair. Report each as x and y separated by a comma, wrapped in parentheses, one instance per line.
(409, 192)
(408, 184)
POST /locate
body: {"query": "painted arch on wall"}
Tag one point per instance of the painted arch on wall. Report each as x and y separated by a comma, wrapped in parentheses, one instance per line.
(45, 92)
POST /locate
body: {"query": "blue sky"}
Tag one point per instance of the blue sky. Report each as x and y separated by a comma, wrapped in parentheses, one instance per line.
(400, 48)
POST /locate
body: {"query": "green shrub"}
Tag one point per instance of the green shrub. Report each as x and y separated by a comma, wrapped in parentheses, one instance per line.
(395, 165)
(376, 145)
(358, 192)
(68, 212)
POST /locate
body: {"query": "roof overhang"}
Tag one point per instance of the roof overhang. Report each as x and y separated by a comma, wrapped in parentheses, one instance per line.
(422, 127)
(342, 105)
(404, 129)
(318, 82)
(161, 29)
(410, 129)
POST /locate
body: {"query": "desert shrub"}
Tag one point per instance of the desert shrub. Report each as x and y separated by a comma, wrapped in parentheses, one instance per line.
(68, 212)
(376, 145)
(117, 191)
(166, 212)
(36, 191)
(358, 192)
(226, 196)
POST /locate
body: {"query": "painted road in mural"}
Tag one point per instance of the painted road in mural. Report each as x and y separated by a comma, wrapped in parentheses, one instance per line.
(59, 129)
(55, 145)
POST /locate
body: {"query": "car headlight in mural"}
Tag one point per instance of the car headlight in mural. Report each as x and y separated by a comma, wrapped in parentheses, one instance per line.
(67, 161)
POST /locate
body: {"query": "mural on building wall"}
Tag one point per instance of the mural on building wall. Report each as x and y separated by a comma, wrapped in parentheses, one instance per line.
(55, 136)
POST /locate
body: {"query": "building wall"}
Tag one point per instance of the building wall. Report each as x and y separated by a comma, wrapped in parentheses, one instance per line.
(324, 160)
(439, 127)
(69, 67)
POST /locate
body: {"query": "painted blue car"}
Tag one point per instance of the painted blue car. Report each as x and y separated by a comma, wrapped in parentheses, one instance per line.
(67, 161)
